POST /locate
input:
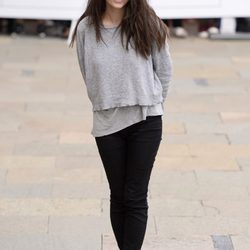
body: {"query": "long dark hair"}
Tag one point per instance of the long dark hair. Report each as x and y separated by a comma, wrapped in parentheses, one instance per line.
(139, 22)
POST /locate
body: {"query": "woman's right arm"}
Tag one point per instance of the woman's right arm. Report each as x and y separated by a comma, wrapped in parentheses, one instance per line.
(80, 49)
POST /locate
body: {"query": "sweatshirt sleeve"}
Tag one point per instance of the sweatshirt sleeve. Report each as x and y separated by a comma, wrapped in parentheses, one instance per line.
(80, 49)
(163, 67)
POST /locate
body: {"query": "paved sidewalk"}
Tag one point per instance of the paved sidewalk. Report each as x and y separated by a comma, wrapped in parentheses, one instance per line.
(53, 190)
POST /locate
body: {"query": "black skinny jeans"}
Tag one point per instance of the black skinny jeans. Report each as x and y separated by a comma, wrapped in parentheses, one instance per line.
(128, 156)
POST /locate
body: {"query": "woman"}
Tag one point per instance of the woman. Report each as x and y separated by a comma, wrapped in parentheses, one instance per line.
(127, 85)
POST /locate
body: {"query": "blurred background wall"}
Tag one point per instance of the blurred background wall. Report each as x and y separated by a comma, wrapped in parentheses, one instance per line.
(203, 18)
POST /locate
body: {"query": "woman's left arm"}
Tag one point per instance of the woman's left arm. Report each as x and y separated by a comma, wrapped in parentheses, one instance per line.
(163, 66)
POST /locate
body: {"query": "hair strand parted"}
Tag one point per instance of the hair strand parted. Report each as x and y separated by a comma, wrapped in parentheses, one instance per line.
(140, 23)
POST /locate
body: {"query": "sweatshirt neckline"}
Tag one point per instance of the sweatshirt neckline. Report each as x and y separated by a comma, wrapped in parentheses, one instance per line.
(105, 27)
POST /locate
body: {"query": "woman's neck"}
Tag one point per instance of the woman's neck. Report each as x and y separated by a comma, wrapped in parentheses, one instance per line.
(112, 16)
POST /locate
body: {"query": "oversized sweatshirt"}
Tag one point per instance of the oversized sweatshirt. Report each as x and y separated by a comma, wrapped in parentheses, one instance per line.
(115, 77)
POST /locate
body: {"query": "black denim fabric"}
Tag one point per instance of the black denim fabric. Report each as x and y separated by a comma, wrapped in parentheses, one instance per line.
(128, 157)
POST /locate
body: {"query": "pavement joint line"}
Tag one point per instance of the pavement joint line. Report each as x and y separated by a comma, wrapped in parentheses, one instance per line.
(228, 139)
(225, 135)
(220, 117)
(195, 177)
(215, 208)
(48, 224)
(156, 231)
(102, 206)
(239, 165)
(102, 242)
(185, 128)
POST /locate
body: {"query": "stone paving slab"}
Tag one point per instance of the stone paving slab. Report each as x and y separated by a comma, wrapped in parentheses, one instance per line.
(201, 225)
(191, 163)
(78, 224)
(17, 162)
(244, 163)
(195, 138)
(15, 224)
(80, 190)
(176, 190)
(222, 242)
(24, 190)
(43, 207)
(241, 242)
(156, 242)
(175, 207)
(223, 178)
(226, 208)
(237, 117)
(50, 242)
(53, 189)
(232, 151)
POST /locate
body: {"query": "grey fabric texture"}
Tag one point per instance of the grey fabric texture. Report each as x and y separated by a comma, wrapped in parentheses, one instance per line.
(115, 77)
(112, 120)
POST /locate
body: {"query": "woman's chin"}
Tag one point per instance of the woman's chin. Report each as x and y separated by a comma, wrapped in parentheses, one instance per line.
(118, 3)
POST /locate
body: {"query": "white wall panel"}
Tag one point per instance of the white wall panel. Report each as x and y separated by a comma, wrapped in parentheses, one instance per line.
(71, 9)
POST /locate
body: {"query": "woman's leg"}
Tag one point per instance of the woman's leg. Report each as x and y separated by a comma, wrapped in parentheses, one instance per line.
(128, 156)
(113, 150)
(143, 144)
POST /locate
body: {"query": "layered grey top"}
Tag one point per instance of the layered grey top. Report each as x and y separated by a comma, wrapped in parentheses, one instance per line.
(123, 87)
(115, 77)
(114, 119)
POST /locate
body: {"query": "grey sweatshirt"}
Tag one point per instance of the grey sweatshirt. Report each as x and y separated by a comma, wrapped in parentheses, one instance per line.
(115, 77)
